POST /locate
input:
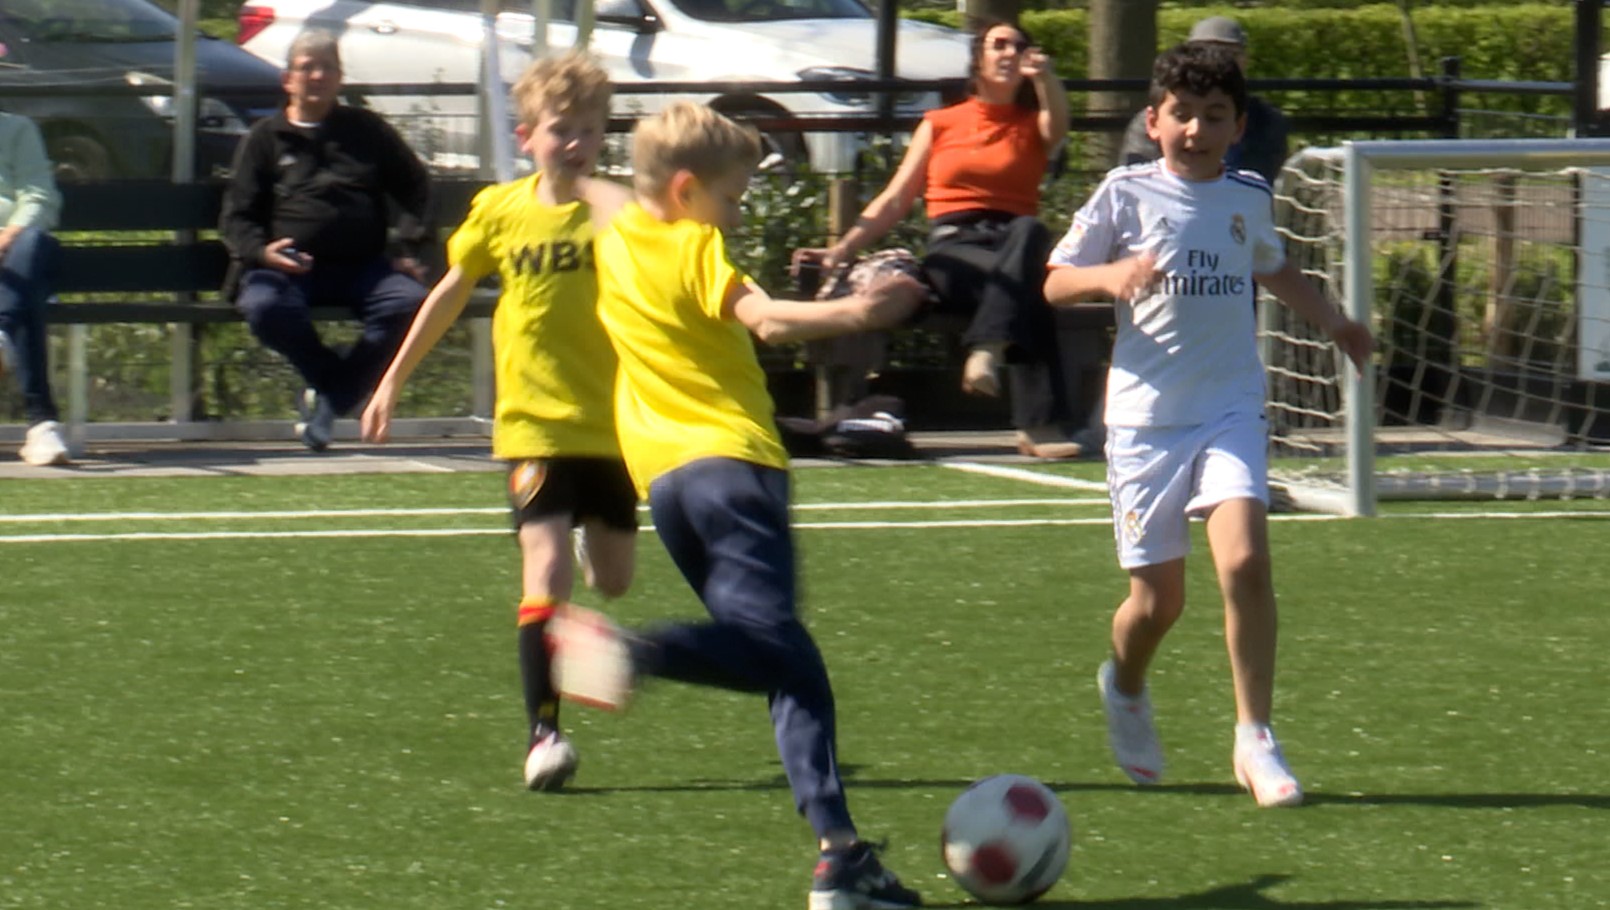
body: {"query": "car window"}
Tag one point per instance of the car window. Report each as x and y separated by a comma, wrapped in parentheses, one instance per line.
(772, 10)
(88, 20)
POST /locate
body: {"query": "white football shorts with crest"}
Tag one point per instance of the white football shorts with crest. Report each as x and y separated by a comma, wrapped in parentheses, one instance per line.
(1161, 477)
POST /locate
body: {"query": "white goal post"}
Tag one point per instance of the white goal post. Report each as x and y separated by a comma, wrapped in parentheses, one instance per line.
(1483, 267)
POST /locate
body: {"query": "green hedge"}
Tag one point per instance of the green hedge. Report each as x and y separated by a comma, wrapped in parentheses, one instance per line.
(1197, 7)
(1517, 42)
(1524, 41)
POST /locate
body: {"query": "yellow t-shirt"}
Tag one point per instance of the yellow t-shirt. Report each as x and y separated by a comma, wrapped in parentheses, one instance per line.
(690, 386)
(555, 366)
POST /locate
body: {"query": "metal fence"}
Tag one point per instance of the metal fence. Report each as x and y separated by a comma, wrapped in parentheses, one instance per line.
(789, 206)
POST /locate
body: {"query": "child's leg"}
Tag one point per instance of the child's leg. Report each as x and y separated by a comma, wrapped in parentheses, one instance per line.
(546, 581)
(1238, 533)
(1233, 490)
(1150, 471)
(609, 557)
(725, 524)
(1156, 600)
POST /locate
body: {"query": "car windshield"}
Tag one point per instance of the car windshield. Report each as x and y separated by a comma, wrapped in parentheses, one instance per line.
(772, 10)
(87, 20)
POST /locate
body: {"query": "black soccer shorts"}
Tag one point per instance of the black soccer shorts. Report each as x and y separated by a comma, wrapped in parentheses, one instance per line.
(580, 487)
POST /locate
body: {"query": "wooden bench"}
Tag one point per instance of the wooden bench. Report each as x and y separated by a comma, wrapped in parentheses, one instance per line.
(147, 252)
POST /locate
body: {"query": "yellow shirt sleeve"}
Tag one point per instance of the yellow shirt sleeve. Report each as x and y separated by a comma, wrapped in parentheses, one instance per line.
(470, 247)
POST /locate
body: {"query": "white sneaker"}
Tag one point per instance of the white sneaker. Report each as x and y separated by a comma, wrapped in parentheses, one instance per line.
(550, 763)
(1130, 731)
(1260, 768)
(591, 661)
(45, 445)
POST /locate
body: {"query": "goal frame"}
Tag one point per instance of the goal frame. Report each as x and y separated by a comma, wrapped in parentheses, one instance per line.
(1360, 161)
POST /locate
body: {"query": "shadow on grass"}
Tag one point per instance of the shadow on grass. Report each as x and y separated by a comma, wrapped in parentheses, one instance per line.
(1244, 896)
(1462, 800)
(852, 782)
(1312, 798)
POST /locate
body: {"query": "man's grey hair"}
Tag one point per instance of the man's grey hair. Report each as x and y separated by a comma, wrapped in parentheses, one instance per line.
(315, 42)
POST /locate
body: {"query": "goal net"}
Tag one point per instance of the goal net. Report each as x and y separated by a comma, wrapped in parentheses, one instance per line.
(1483, 267)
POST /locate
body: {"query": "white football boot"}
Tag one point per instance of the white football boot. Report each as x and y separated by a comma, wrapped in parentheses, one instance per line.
(551, 762)
(1130, 731)
(1261, 769)
(592, 663)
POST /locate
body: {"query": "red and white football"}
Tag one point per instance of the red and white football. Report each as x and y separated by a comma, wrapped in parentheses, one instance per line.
(1006, 839)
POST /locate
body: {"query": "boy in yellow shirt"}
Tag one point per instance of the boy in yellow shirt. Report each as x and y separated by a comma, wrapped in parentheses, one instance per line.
(554, 420)
(697, 430)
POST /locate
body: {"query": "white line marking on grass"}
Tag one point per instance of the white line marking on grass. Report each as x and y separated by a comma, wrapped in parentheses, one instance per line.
(252, 535)
(53, 517)
(1047, 480)
(955, 523)
(135, 536)
(950, 504)
(230, 516)
(1563, 513)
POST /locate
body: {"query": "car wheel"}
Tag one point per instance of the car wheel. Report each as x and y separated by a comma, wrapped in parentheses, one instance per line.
(79, 157)
(784, 151)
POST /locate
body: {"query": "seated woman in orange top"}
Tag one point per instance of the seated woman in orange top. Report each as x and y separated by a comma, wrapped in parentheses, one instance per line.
(978, 165)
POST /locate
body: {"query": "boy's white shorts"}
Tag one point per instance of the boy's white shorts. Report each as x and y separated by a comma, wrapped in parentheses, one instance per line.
(1161, 476)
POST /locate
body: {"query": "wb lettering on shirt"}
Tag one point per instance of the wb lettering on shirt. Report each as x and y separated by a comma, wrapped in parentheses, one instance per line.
(558, 256)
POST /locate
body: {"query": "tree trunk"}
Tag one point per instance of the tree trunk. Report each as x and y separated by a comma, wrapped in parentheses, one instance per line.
(1123, 43)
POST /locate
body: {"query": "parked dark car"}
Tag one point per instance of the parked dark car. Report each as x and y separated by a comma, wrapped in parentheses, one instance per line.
(78, 67)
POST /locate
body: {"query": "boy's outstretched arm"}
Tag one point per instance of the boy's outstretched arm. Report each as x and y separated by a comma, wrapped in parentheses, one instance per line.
(886, 302)
(441, 307)
(1304, 298)
(1125, 279)
(604, 197)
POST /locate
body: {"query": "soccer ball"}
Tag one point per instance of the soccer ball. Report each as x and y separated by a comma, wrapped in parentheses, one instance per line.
(1006, 839)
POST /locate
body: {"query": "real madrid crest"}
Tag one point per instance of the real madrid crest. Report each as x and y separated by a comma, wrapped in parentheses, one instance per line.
(525, 481)
(1238, 229)
(1133, 528)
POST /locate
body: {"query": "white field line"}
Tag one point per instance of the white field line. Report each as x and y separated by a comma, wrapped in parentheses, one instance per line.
(53, 517)
(1035, 477)
(815, 525)
(40, 518)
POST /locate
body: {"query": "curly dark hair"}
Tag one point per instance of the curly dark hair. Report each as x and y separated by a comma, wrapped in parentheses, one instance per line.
(1026, 98)
(1199, 67)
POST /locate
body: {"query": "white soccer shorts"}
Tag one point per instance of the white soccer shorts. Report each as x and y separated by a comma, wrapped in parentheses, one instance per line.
(1160, 477)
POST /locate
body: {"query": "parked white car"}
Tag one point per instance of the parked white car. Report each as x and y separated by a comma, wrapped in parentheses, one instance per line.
(393, 42)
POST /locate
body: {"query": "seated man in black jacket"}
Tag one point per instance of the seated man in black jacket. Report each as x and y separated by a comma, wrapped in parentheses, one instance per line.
(306, 216)
(1262, 148)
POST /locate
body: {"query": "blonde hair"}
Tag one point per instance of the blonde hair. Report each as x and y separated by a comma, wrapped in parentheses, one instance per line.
(571, 83)
(689, 137)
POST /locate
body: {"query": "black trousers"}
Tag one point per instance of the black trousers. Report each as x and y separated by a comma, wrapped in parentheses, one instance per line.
(989, 267)
(725, 524)
(383, 299)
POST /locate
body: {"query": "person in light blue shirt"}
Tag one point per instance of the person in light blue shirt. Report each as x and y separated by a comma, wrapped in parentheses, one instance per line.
(29, 207)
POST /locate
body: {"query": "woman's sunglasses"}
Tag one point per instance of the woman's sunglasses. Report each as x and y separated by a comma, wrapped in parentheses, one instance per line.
(999, 45)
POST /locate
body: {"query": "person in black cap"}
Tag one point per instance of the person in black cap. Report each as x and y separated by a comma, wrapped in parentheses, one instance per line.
(1261, 148)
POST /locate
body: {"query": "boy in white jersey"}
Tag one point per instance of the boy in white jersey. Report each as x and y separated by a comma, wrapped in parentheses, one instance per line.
(1177, 244)
(554, 419)
(698, 431)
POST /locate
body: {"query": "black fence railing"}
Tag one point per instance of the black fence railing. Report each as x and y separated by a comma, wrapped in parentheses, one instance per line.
(1448, 86)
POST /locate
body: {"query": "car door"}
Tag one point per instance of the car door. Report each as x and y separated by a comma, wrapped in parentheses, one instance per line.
(389, 44)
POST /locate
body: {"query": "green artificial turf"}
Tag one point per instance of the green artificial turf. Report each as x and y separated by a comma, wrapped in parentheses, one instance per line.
(237, 714)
